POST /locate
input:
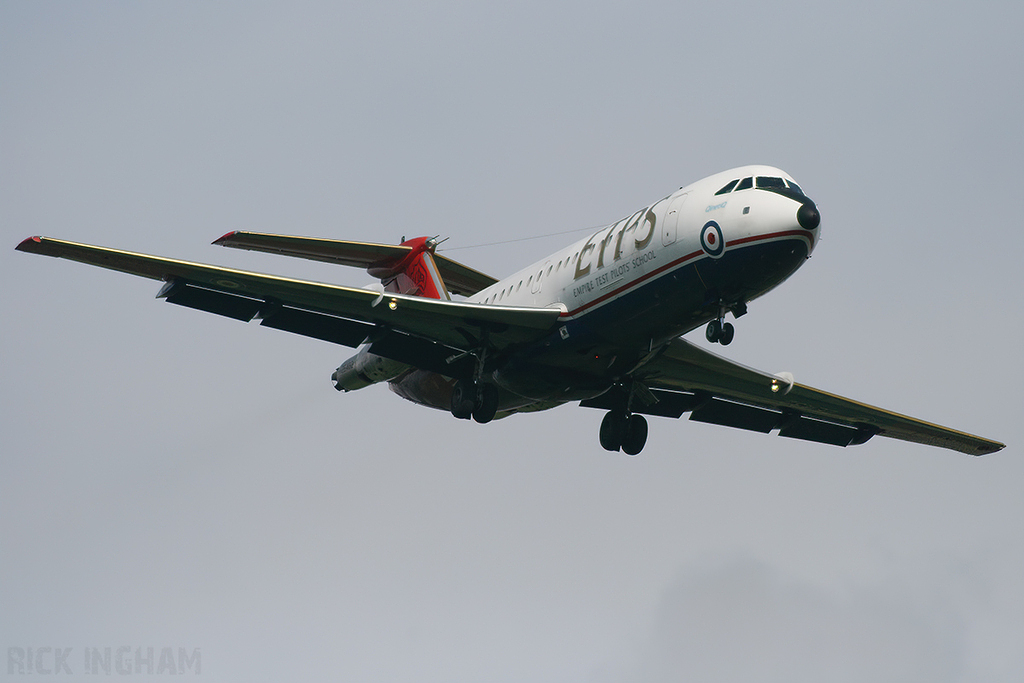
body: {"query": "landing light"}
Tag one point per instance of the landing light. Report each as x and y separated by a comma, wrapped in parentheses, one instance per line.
(393, 304)
(782, 383)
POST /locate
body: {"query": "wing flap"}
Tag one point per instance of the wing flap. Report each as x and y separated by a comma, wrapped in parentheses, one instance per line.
(738, 415)
(705, 408)
(229, 305)
(809, 429)
(423, 354)
(306, 323)
(666, 404)
(460, 325)
(808, 413)
(328, 328)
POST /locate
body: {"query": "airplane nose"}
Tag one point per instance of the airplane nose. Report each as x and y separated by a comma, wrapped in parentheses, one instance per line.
(807, 215)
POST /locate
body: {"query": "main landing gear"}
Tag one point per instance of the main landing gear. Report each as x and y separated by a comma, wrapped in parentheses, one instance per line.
(623, 431)
(474, 399)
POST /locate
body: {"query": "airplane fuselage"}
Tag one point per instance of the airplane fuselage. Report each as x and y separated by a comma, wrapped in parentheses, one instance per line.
(630, 287)
(600, 321)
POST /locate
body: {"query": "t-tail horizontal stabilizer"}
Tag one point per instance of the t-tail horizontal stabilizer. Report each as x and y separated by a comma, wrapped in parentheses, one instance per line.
(383, 261)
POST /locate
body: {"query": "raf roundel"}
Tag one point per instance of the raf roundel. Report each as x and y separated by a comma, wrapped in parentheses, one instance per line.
(711, 240)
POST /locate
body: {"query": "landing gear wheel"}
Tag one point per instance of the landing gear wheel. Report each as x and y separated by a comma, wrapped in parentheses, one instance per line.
(463, 399)
(714, 331)
(486, 404)
(613, 429)
(719, 332)
(636, 435)
(728, 332)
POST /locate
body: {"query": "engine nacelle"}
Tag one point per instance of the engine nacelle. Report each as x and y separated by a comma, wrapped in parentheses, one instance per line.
(364, 369)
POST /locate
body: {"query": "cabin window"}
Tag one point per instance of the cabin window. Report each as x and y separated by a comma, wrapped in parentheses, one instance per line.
(745, 184)
(728, 188)
(770, 183)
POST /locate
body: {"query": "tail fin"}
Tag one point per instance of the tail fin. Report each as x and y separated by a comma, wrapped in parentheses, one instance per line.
(415, 273)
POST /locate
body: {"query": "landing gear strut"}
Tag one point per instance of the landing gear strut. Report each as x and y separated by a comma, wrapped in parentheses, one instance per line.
(623, 431)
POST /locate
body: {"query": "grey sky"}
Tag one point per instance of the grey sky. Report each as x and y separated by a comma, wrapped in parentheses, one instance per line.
(173, 479)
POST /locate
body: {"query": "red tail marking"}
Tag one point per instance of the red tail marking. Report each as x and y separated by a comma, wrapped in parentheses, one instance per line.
(416, 273)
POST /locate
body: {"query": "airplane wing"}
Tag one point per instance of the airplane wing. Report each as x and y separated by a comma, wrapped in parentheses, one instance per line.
(426, 327)
(685, 377)
(459, 279)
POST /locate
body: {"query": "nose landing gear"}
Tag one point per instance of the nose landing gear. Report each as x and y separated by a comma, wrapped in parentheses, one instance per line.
(720, 332)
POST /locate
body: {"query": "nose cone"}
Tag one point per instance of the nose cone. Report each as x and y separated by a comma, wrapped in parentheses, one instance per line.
(807, 215)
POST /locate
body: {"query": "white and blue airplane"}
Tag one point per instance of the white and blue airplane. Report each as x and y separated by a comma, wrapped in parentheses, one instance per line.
(599, 322)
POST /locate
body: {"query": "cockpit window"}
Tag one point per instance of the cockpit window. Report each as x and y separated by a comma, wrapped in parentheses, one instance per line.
(794, 186)
(745, 184)
(770, 183)
(728, 188)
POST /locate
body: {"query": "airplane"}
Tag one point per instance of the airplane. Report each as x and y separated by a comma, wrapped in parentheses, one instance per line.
(600, 322)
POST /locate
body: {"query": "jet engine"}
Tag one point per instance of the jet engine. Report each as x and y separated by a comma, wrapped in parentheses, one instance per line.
(364, 369)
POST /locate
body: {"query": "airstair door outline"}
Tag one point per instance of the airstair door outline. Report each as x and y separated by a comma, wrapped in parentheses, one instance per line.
(670, 226)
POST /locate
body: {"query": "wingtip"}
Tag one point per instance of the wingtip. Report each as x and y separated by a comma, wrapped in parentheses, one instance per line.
(989, 449)
(29, 244)
(224, 238)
